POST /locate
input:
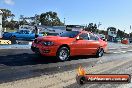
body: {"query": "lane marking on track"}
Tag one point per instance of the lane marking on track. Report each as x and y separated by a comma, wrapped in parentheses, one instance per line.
(112, 48)
(116, 52)
(124, 47)
(121, 51)
(30, 43)
(129, 50)
(118, 48)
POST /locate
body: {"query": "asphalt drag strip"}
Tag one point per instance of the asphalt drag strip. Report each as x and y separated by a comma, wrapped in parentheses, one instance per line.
(65, 75)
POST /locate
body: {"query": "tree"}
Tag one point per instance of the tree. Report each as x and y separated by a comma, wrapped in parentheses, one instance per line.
(111, 28)
(23, 22)
(37, 19)
(102, 32)
(50, 19)
(6, 14)
(12, 24)
(92, 27)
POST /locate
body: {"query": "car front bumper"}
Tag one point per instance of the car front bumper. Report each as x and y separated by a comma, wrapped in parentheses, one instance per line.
(34, 49)
(45, 50)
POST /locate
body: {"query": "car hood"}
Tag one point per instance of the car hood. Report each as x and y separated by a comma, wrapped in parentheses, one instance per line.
(53, 38)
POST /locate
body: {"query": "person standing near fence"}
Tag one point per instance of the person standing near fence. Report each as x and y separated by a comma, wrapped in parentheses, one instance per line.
(36, 32)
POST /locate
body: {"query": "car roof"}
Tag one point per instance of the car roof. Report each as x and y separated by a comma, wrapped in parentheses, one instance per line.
(86, 32)
(24, 29)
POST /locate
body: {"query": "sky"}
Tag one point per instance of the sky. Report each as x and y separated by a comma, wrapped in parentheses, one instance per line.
(115, 13)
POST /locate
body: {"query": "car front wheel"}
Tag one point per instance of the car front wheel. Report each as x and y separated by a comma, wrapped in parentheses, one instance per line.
(63, 54)
(100, 52)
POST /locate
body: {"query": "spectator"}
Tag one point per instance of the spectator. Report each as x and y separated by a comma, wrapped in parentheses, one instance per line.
(13, 40)
(36, 32)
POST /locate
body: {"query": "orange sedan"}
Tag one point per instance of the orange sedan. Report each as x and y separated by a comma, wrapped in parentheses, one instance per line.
(71, 43)
(125, 41)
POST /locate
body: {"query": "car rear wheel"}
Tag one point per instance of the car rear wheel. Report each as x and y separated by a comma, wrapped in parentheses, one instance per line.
(63, 54)
(100, 52)
(13, 40)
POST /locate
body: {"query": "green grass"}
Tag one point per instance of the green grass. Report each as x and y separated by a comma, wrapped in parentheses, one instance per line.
(10, 30)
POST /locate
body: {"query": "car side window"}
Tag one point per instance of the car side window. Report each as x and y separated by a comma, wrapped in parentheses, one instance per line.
(84, 36)
(21, 32)
(24, 32)
(96, 38)
(93, 37)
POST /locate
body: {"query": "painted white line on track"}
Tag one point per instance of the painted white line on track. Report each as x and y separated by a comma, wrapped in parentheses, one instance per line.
(119, 52)
(129, 50)
(124, 47)
(112, 48)
(116, 52)
(123, 51)
(30, 43)
(118, 48)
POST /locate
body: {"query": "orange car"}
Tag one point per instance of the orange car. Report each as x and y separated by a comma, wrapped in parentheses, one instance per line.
(71, 43)
(125, 41)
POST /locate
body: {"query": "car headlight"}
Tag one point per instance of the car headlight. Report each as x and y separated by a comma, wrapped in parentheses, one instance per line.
(48, 43)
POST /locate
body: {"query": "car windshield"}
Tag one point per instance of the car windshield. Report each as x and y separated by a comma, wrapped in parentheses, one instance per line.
(53, 34)
(24, 31)
(70, 34)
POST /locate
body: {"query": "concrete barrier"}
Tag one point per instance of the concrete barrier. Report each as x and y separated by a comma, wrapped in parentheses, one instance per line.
(15, 46)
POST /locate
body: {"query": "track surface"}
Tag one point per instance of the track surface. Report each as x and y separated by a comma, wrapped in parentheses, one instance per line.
(16, 64)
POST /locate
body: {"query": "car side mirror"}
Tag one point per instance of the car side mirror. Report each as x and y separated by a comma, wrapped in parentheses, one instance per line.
(79, 38)
(104, 39)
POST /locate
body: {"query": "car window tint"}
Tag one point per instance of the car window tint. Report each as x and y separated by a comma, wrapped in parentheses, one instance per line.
(21, 31)
(96, 38)
(84, 36)
(70, 34)
(26, 32)
(93, 37)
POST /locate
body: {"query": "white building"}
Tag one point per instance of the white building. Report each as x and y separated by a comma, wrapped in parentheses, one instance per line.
(51, 29)
(112, 34)
(26, 27)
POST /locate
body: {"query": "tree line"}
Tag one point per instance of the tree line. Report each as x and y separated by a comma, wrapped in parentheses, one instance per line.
(50, 19)
(93, 28)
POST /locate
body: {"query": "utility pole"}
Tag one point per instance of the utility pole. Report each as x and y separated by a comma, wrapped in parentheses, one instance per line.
(99, 25)
(130, 32)
(1, 23)
(64, 21)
